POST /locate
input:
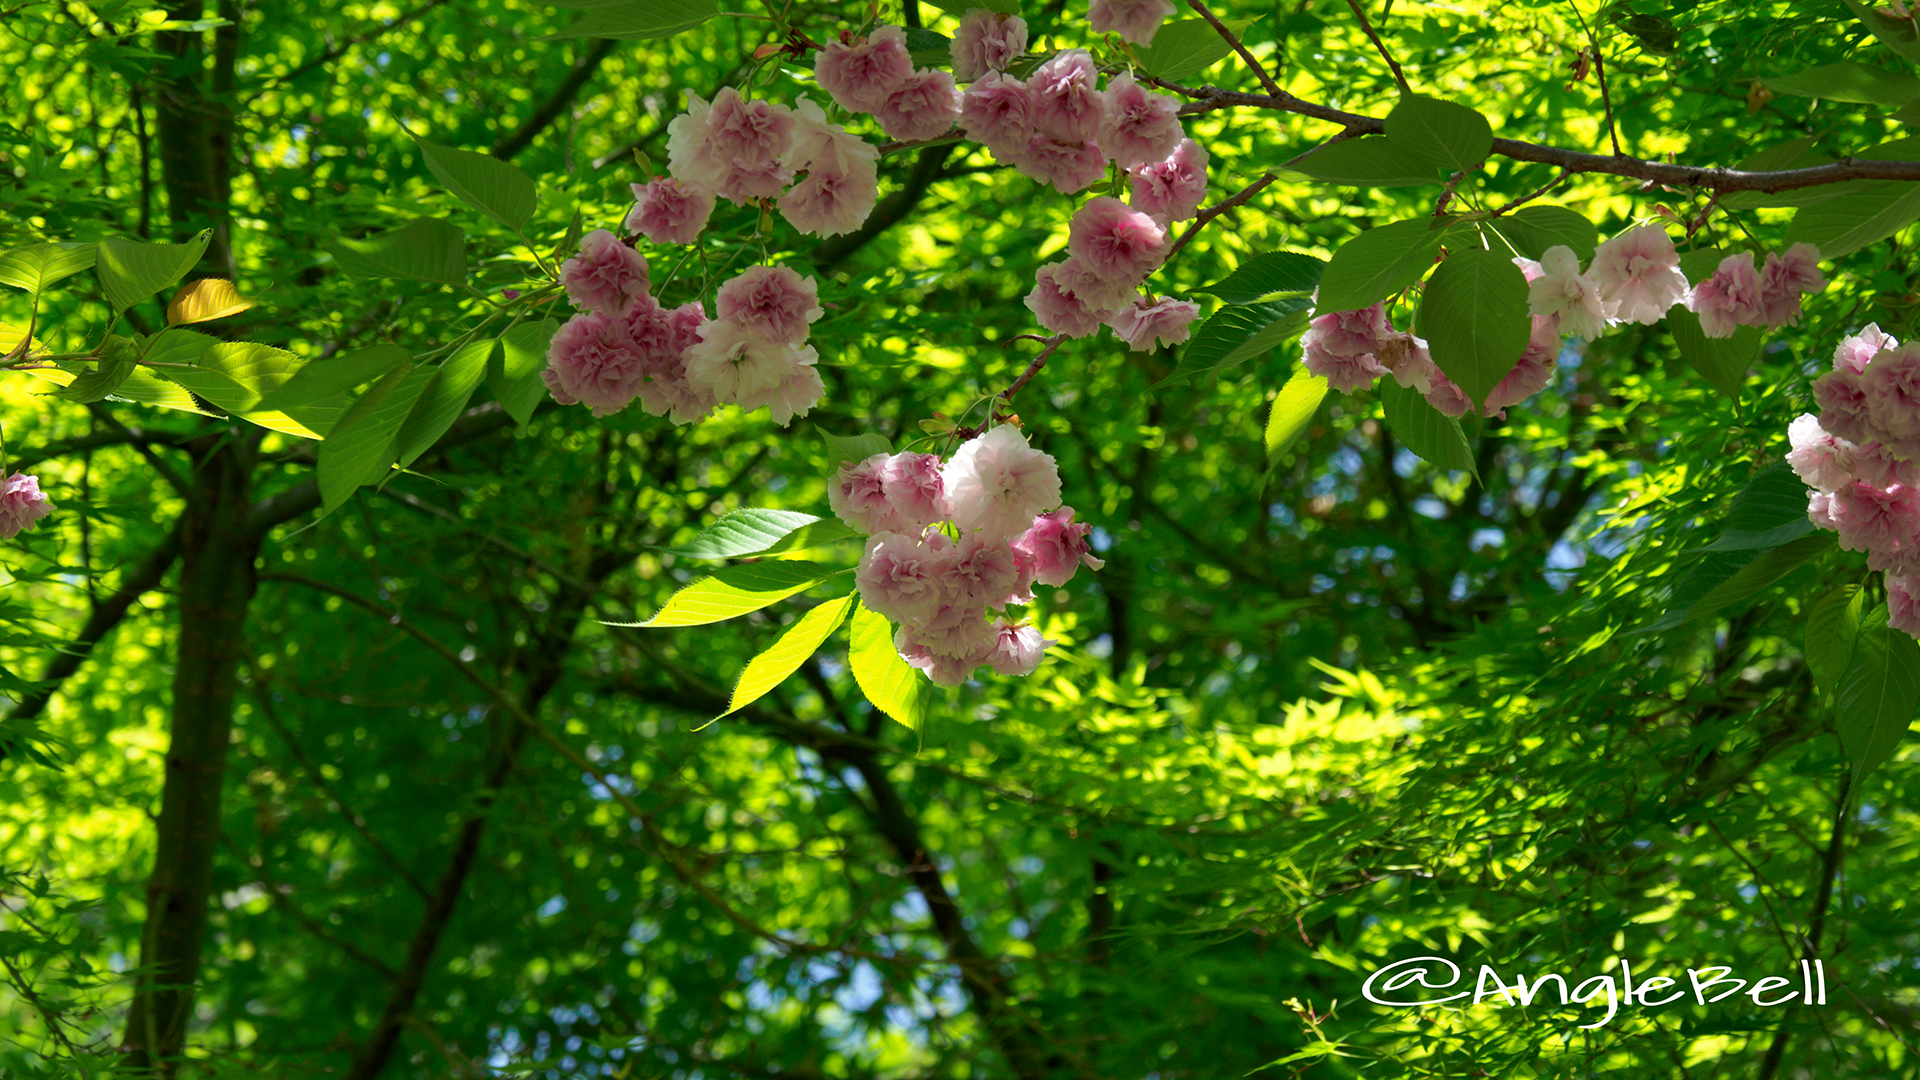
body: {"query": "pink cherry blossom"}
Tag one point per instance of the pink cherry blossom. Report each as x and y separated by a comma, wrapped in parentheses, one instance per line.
(1638, 275)
(749, 131)
(773, 300)
(734, 363)
(1172, 189)
(942, 670)
(1884, 521)
(1844, 409)
(21, 504)
(1017, 648)
(860, 76)
(1116, 242)
(1563, 291)
(691, 156)
(1784, 279)
(958, 630)
(996, 483)
(1148, 324)
(858, 495)
(984, 571)
(1343, 371)
(662, 338)
(1408, 358)
(899, 577)
(1067, 106)
(667, 211)
(1730, 299)
(1142, 128)
(923, 106)
(1534, 370)
(1816, 456)
(987, 41)
(1135, 21)
(998, 111)
(1352, 333)
(1903, 604)
(798, 390)
(1068, 166)
(1854, 353)
(606, 276)
(593, 359)
(1054, 546)
(915, 489)
(746, 180)
(829, 203)
(1059, 307)
(1892, 385)
(820, 145)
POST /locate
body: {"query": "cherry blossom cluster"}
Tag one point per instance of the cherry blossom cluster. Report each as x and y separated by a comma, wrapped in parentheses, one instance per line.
(1861, 457)
(953, 545)
(623, 345)
(21, 504)
(1111, 249)
(1633, 278)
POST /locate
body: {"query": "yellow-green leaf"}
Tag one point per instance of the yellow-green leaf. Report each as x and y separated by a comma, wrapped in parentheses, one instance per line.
(802, 639)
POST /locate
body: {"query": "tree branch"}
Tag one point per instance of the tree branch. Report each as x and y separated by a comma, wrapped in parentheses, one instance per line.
(1233, 40)
(1398, 76)
(582, 73)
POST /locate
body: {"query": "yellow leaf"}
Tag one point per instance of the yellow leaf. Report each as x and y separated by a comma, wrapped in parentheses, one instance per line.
(205, 300)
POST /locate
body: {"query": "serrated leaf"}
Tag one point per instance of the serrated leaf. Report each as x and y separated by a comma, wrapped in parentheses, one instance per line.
(1293, 409)
(1237, 333)
(632, 20)
(1443, 134)
(1900, 35)
(743, 532)
(424, 249)
(1533, 229)
(131, 271)
(1773, 497)
(1833, 625)
(1380, 262)
(1474, 316)
(513, 371)
(103, 380)
(1724, 578)
(1265, 275)
(1843, 226)
(736, 590)
(1848, 81)
(495, 188)
(1187, 47)
(148, 388)
(1367, 162)
(204, 301)
(817, 535)
(1878, 696)
(853, 447)
(236, 375)
(37, 266)
(439, 405)
(363, 444)
(1425, 430)
(325, 378)
(889, 682)
(928, 49)
(802, 639)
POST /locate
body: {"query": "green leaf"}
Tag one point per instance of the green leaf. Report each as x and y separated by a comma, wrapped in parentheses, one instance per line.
(961, 7)
(1238, 333)
(1380, 262)
(802, 639)
(736, 590)
(853, 447)
(1723, 362)
(1847, 81)
(928, 49)
(820, 534)
(1186, 47)
(1264, 275)
(743, 532)
(1897, 34)
(176, 346)
(452, 385)
(1293, 410)
(1878, 696)
(1533, 229)
(1723, 578)
(363, 445)
(118, 360)
(632, 20)
(1368, 162)
(148, 388)
(1833, 625)
(1475, 319)
(424, 249)
(35, 267)
(1762, 539)
(1442, 134)
(325, 378)
(489, 185)
(513, 371)
(236, 375)
(1773, 497)
(1843, 226)
(889, 682)
(131, 271)
(1426, 430)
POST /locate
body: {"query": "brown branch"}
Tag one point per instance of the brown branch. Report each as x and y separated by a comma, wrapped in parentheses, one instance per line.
(577, 79)
(1233, 39)
(1210, 98)
(1033, 367)
(1200, 220)
(1380, 45)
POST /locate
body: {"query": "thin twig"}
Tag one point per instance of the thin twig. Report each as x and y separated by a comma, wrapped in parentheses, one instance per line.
(1380, 45)
(1600, 69)
(1527, 198)
(1233, 39)
(1207, 214)
(1033, 367)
